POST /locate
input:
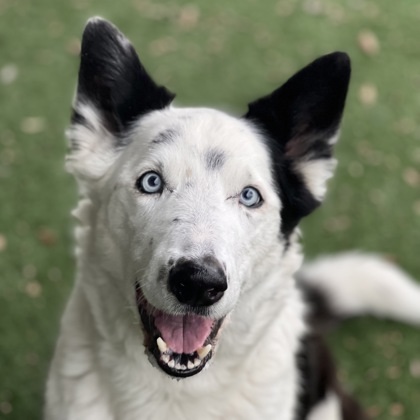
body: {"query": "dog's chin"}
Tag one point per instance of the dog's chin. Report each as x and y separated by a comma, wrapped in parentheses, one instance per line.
(190, 343)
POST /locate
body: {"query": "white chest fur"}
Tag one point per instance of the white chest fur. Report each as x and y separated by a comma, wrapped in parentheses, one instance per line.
(253, 375)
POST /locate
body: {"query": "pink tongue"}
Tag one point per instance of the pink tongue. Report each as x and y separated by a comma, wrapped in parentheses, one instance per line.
(183, 334)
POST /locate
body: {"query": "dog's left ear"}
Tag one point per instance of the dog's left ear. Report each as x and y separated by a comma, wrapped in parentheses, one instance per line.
(113, 91)
(300, 121)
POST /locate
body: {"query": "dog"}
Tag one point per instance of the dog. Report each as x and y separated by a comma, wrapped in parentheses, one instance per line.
(190, 300)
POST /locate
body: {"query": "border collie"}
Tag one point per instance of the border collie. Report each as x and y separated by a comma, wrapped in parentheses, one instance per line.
(188, 302)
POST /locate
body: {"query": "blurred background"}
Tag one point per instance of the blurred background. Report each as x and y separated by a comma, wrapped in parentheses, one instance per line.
(224, 54)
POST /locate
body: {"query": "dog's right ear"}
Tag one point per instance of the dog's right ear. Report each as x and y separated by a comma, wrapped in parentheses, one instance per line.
(114, 90)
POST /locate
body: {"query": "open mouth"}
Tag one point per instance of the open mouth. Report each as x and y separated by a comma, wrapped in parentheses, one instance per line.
(182, 345)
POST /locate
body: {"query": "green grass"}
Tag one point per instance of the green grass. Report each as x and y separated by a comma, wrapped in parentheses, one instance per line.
(214, 53)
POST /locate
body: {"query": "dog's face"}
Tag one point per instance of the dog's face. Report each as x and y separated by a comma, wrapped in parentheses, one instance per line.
(192, 202)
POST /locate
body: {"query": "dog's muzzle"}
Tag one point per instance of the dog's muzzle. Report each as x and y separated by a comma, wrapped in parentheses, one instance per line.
(183, 344)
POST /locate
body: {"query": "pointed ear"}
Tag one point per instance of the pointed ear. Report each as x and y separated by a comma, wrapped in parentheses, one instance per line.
(113, 91)
(112, 78)
(300, 121)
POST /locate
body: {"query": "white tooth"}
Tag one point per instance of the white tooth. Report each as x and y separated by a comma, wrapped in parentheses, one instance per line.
(165, 358)
(204, 351)
(190, 364)
(163, 347)
(178, 366)
(197, 362)
(183, 367)
(171, 363)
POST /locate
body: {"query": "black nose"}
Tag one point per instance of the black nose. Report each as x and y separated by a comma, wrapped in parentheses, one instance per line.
(198, 282)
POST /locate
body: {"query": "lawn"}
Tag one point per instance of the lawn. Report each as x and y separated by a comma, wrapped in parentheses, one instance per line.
(215, 53)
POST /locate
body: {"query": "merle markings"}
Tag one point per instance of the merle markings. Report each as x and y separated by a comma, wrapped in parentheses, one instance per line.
(215, 159)
(165, 137)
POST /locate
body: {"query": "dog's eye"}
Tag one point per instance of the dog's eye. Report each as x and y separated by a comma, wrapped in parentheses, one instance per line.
(250, 197)
(150, 183)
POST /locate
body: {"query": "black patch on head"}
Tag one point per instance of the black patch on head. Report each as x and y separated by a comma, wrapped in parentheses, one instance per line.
(297, 121)
(318, 377)
(215, 159)
(112, 78)
(296, 199)
(165, 137)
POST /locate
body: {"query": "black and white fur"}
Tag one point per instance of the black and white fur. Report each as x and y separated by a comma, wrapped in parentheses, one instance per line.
(142, 253)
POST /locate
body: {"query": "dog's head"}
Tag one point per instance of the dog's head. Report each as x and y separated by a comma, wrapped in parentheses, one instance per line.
(192, 206)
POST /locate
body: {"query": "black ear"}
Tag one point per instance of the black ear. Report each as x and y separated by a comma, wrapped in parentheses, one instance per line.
(300, 121)
(112, 78)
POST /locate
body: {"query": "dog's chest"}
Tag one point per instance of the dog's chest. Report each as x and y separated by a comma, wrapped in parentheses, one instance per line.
(258, 397)
(261, 386)
(253, 375)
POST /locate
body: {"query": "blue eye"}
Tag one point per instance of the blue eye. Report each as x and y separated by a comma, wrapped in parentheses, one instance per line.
(150, 183)
(250, 197)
